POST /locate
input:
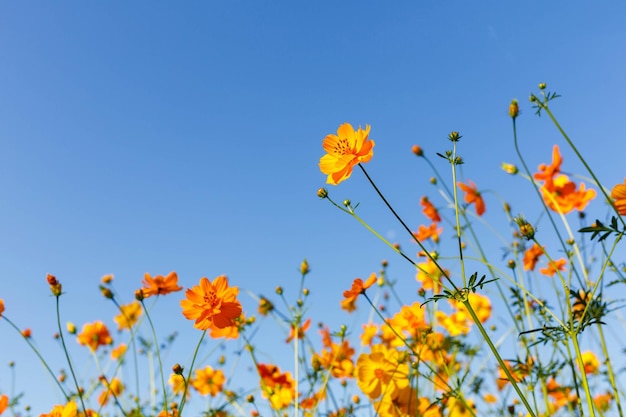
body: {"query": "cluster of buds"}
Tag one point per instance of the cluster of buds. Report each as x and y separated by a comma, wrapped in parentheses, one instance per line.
(55, 286)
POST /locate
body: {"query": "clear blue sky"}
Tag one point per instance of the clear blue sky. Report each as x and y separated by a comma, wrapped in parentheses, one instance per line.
(158, 136)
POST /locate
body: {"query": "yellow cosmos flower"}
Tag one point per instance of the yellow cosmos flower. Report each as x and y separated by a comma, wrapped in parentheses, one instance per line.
(208, 381)
(345, 150)
(380, 372)
(67, 410)
(128, 316)
(590, 362)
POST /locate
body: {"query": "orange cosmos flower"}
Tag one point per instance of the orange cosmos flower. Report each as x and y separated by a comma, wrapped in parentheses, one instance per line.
(431, 231)
(369, 331)
(68, 410)
(212, 304)
(455, 323)
(94, 335)
(335, 357)
(550, 270)
(472, 196)
(358, 287)
(344, 150)
(429, 210)
(519, 371)
(299, 333)
(113, 389)
(531, 256)
(4, 403)
(548, 172)
(129, 315)
(480, 303)
(603, 401)
(618, 193)
(119, 352)
(277, 387)
(160, 285)
(380, 372)
(561, 195)
(590, 362)
(208, 381)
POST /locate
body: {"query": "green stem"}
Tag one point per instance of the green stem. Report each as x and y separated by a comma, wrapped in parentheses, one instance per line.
(79, 391)
(43, 362)
(193, 360)
(496, 354)
(609, 367)
(158, 352)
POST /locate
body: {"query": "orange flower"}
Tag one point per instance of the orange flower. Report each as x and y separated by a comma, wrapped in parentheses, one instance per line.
(369, 331)
(229, 332)
(113, 389)
(95, 335)
(277, 387)
(547, 172)
(480, 303)
(212, 304)
(531, 256)
(160, 285)
(429, 210)
(1, 307)
(561, 195)
(335, 357)
(603, 401)
(344, 150)
(27, 333)
(298, 334)
(618, 193)
(518, 372)
(358, 288)
(4, 403)
(208, 381)
(558, 265)
(129, 315)
(431, 231)
(455, 323)
(472, 196)
(119, 352)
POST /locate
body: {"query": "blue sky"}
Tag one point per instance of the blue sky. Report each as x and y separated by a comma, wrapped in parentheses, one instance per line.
(158, 136)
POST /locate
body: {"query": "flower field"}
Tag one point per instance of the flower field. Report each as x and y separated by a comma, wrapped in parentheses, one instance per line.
(481, 333)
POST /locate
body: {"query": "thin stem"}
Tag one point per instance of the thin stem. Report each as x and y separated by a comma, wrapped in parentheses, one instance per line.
(79, 391)
(432, 258)
(158, 352)
(193, 360)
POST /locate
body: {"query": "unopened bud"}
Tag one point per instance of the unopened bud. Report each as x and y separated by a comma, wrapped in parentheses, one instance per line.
(513, 109)
(322, 193)
(139, 295)
(304, 267)
(454, 136)
(177, 369)
(417, 150)
(542, 86)
(509, 168)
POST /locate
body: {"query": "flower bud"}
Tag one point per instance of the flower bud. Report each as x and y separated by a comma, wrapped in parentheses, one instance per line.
(177, 369)
(542, 86)
(509, 168)
(139, 295)
(322, 193)
(106, 293)
(417, 150)
(454, 136)
(71, 327)
(513, 109)
(304, 267)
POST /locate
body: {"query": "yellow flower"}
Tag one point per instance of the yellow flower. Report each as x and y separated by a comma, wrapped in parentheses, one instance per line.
(95, 335)
(618, 193)
(112, 389)
(590, 362)
(208, 381)
(128, 316)
(345, 150)
(456, 407)
(67, 410)
(380, 372)
(277, 387)
(119, 351)
(430, 276)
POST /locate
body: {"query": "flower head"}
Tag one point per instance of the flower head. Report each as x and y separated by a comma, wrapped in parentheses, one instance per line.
(160, 285)
(381, 372)
(429, 210)
(591, 363)
(208, 381)
(472, 196)
(94, 335)
(343, 151)
(618, 193)
(68, 410)
(212, 304)
(4, 403)
(112, 389)
(548, 172)
(128, 316)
